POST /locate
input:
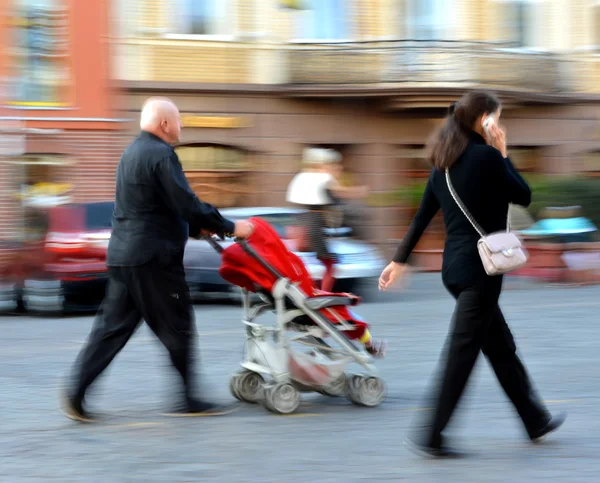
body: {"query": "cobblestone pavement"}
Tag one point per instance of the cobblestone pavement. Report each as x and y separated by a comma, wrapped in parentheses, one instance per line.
(557, 330)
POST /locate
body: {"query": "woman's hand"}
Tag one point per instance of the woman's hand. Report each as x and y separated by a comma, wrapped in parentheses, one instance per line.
(394, 271)
(497, 139)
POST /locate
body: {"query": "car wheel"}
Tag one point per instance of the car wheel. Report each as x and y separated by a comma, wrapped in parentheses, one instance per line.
(9, 298)
(44, 297)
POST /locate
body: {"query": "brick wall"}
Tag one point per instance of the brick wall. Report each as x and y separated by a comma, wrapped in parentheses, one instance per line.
(97, 154)
(10, 177)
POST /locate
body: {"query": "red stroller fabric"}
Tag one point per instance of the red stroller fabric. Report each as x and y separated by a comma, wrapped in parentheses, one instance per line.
(241, 269)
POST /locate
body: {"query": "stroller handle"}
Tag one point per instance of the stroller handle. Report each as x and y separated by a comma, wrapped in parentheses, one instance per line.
(247, 248)
(214, 243)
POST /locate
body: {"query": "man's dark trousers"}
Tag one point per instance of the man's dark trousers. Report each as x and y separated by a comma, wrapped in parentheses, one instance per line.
(156, 292)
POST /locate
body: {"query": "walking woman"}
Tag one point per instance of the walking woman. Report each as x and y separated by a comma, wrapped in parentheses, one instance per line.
(485, 180)
(317, 188)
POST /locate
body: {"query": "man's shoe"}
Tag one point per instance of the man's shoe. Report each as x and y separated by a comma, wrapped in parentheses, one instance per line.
(552, 425)
(430, 451)
(195, 408)
(73, 409)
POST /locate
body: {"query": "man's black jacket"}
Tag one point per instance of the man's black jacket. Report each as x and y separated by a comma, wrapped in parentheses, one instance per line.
(155, 208)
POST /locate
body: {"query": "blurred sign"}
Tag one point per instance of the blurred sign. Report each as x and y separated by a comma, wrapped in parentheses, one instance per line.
(222, 122)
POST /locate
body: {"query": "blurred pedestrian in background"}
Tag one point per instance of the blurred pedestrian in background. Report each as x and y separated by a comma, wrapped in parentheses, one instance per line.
(486, 181)
(318, 189)
(155, 213)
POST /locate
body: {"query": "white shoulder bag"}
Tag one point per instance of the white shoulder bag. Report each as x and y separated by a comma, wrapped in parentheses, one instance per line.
(500, 252)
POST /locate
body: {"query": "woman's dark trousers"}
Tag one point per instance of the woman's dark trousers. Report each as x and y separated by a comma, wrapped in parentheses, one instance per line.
(479, 325)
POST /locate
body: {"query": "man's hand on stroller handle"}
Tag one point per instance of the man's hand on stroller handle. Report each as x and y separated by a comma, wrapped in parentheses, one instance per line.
(243, 229)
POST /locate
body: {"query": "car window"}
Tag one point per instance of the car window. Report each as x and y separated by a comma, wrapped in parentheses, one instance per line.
(279, 221)
(98, 216)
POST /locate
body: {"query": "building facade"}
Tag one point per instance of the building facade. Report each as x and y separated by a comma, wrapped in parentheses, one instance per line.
(61, 134)
(257, 82)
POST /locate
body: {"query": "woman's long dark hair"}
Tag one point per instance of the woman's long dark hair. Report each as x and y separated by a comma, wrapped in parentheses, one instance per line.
(451, 139)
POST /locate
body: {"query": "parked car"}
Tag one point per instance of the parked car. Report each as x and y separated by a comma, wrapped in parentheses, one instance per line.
(359, 263)
(63, 269)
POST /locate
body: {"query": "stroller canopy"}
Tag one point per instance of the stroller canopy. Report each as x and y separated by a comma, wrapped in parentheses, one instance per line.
(243, 270)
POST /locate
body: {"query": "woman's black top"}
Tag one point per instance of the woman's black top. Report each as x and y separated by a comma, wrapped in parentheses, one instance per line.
(486, 182)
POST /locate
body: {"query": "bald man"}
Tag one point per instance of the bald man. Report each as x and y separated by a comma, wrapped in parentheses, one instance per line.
(155, 213)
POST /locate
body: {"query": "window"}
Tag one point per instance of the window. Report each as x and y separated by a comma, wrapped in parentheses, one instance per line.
(324, 20)
(39, 53)
(205, 17)
(216, 173)
(521, 22)
(280, 222)
(211, 158)
(429, 19)
(596, 25)
(98, 216)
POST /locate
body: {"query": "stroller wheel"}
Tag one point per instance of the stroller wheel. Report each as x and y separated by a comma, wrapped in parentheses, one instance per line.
(250, 385)
(282, 398)
(366, 391)
(234, 383)
(336, 388)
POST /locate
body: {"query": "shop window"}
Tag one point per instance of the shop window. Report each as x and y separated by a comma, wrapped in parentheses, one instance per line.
(217, 174)
(202, 158)
(38, 186)
(39, 54)
(204, 17)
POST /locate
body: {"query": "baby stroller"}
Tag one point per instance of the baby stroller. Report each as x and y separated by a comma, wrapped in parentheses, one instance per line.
(273, 372)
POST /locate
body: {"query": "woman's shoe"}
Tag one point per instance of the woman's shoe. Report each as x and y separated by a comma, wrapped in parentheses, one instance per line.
(430, 451)
(552, 425)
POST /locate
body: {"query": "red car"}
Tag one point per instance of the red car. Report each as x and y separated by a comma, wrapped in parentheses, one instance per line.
(64, 269)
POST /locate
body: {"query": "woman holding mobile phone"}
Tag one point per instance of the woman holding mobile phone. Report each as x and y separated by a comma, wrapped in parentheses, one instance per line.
(472, 147)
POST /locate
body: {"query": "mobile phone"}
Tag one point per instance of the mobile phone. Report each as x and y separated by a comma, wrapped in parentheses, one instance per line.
(488, 123)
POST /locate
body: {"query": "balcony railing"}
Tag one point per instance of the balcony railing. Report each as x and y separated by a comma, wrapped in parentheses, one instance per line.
(171, 60)
(405, 64)
(426, 64)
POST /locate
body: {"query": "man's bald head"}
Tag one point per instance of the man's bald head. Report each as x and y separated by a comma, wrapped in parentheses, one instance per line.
(160, 117)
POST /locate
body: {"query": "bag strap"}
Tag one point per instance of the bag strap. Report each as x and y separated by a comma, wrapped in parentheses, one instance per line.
(463, 208)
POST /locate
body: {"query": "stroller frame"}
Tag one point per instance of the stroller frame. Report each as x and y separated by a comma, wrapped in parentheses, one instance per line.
(265, 376)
